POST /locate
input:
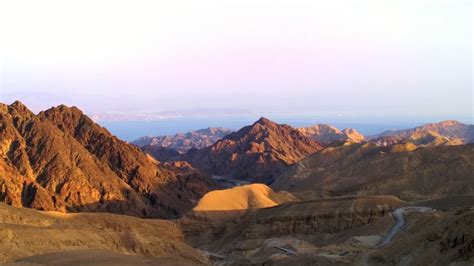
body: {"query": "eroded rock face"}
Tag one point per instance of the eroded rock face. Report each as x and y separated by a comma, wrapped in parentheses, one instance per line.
(319, 216)
(258, 152)
(61, 160)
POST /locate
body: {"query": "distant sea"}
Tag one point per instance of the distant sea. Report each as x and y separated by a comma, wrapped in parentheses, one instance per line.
(132, 130)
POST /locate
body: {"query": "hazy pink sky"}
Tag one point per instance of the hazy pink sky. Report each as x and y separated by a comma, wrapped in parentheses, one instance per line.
(359, 59)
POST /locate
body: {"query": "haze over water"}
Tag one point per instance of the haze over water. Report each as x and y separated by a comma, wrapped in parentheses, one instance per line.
(389, 63)
(132, 130)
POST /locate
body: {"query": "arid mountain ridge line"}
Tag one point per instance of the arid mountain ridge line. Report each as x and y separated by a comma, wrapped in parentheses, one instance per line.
(447, 132)
(264, 150)
(61, 160)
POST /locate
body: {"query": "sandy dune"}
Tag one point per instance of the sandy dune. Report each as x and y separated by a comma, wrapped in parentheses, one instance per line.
(254, 196)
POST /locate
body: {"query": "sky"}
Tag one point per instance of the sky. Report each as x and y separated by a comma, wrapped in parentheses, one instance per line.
(372, 60)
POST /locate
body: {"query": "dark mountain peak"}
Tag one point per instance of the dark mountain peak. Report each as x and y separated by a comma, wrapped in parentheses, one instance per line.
(20, 108)
(18, 104)
(64, 111)
(264, 121)
(258, 152)
(65, 117)
(69, 109)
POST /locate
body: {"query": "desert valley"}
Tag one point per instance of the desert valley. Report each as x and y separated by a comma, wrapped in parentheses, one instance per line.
(266, 194)
(237, 132)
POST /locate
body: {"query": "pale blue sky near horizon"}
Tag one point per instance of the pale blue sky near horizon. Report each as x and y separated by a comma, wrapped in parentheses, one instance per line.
(360, 62)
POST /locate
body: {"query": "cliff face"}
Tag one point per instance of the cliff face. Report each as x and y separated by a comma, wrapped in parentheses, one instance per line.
(258, 152)
(309, 217)
(298, 232)
(61, 160)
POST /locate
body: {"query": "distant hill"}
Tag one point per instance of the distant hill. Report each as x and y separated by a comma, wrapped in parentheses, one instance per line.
(258, 152)
(60, 160)
(182, 142)
(328, 134)
(448, 132)
(403, 170)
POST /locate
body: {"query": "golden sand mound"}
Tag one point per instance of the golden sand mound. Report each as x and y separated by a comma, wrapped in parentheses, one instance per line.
(254, 196)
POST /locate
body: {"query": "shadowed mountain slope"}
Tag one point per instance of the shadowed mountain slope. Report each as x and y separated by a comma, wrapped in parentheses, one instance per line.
(402, 170)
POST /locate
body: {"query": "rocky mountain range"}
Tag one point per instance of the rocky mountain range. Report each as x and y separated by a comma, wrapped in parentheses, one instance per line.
(182, 142)
(61, 160)
(258, 152)
(448, 132)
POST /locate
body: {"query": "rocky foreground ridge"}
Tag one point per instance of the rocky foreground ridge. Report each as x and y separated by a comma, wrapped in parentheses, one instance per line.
(60, 160)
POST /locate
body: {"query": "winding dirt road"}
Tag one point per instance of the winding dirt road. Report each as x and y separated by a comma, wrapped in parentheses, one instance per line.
(400, 222)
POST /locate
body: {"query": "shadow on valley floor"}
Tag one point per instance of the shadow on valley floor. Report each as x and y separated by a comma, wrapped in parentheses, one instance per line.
(96, 257)
(169, 201)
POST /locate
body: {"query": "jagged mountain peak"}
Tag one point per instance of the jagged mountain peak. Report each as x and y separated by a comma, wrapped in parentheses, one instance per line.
(264, 121)
(19, 108)
(63, 111)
